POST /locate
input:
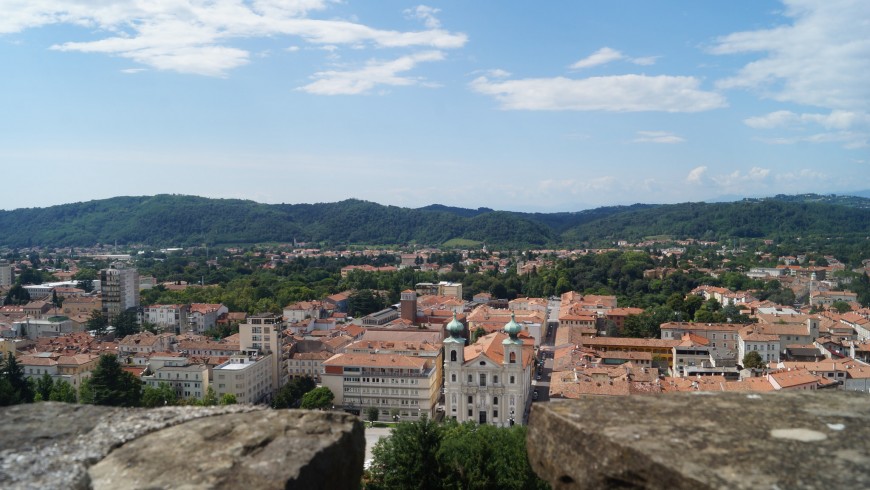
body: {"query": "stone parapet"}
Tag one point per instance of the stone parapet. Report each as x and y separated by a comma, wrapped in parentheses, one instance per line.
(784, 440)
(55, 445)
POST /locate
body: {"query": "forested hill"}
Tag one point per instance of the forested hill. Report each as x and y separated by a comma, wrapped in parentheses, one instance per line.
(173, 220)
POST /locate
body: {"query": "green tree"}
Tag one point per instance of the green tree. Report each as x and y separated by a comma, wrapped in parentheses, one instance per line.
(408, 458)
(290, 395)
(318, 398)
(372, 414)
(86, 393)
(753, 360)
(126, 324)
(485, 456)
(210, 399)
(97, 323)
(113, 386)
(160, 396)
(62, 392)
(44, 385)
(478, 333)
(15, 387)
(841, 306)
(228, 399)
(17, 295)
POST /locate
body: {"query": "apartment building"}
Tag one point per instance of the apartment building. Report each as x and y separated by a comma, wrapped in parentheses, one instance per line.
(119, 287)
(246, 376)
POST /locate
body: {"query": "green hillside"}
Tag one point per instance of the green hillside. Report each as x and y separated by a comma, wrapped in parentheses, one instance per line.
(165, 220)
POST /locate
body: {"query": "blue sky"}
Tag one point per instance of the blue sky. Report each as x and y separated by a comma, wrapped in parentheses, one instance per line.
(542, 106)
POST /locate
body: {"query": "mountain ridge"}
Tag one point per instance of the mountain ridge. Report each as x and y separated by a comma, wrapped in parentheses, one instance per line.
(172, 219)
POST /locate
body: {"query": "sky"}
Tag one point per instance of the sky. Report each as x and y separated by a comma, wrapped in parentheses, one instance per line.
(513, 105)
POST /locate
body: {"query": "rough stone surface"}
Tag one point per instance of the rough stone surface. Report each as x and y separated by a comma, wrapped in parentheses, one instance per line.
(267, 450)
(52, 445)
(793, 440)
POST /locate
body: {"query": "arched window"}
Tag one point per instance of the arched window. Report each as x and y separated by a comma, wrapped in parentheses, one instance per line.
(495, 401)
(513, 358)
(453, 355)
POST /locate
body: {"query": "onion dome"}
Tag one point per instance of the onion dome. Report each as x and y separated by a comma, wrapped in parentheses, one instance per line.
(513, 328)
(455, 327)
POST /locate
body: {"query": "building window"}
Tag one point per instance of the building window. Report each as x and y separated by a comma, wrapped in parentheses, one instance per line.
(495, 400)
(453, 355)
(470, 379)
(470, 399)
(512, 380)
(483, 380)
(495, 379)
(452, 378)
(513, 358)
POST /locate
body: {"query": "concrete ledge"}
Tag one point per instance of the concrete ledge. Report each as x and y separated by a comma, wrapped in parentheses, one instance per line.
(56, 445)
(781, 440)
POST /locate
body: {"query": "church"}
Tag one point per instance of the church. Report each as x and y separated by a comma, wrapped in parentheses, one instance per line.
(488, 382)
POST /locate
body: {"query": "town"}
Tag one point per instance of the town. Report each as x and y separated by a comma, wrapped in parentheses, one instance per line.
(395, 336)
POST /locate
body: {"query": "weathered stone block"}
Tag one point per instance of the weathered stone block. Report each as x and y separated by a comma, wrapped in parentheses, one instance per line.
(704, 440)
(55, 445)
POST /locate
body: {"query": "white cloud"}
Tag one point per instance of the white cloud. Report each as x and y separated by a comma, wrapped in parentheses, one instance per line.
(657, 137)
(645, 61)
(802, 175)
(838, 125)
(373, 74)
(621, 93)
(600, 57)
(834, 120)
(606, 55)
(133, 70)
(196, 37)
(426, 14)
(739, 179)
(821, 58)
(696, 175)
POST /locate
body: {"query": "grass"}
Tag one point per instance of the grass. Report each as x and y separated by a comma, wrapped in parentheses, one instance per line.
(461, 243)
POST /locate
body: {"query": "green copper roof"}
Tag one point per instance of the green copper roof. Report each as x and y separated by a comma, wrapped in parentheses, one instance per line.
(455, 327)
(513, 328)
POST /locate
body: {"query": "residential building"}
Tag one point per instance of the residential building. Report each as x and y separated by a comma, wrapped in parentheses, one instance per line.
(7, 274)
(488, 382)
(263, 334)
(170, 318)
(750, 339)
(246, 376)
(119, 287)
(720, 335)
(145, 342)
(204, 316)
(407, 384)
(72, 368)
(187, 380)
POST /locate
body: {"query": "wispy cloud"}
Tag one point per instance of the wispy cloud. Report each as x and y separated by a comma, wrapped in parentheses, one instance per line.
(696, 175)
(657, 137)
(373, 74)
(198, 37)
(821, 59)
(851, 129)
(621, 93)
(606, 55)
(426, 14)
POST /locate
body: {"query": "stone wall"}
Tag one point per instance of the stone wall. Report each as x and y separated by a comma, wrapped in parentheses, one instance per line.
(783, 440)
(55, 445)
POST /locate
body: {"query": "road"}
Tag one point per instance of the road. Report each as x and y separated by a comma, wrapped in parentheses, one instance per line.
(546, 353)
(373, 435)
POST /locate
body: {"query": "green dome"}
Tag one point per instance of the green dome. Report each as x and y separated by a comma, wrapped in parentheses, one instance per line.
(513, 328)
(455, 327)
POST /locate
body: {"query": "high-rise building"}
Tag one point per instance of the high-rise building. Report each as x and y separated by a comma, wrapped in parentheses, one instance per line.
(120, 290)
(6, 274)
(262, 333)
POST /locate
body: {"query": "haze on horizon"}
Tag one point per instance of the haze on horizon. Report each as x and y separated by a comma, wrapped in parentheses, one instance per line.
(560, 106)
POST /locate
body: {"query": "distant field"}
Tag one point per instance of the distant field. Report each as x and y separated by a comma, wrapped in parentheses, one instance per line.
(461, 243)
